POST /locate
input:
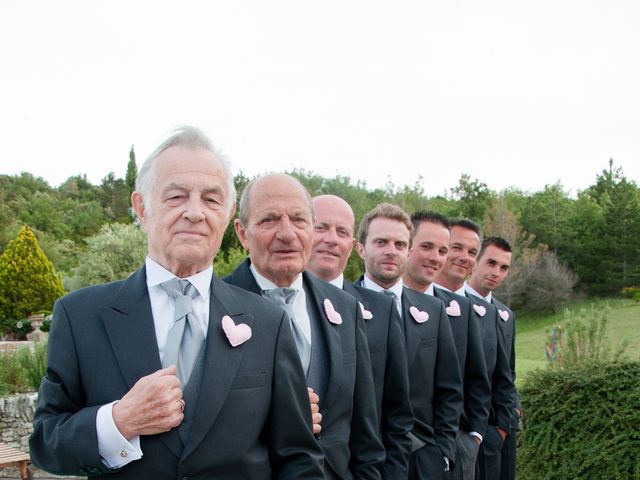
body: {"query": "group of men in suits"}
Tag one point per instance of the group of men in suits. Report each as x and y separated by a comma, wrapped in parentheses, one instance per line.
(283, 369)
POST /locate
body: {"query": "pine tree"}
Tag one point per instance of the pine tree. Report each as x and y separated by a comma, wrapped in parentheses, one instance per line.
(132, 170)
(28, 280)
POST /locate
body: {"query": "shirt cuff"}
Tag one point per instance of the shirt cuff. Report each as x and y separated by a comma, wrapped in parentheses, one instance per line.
(477, 435)
(115, 450)
(446, 461)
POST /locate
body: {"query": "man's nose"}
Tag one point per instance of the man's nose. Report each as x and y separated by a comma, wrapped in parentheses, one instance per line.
(194, 211)
(285, 230)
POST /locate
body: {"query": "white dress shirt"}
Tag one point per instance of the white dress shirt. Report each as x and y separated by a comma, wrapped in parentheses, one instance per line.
(115, 450)
(395, 289)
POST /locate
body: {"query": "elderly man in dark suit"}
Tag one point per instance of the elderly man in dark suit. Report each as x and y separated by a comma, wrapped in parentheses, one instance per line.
(427, 257)
(491, 270)
(172, 373)
(434, 377)
(332, 245)
(464, 247)
(275, 226)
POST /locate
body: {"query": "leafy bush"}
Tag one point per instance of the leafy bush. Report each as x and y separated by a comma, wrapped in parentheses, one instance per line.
(226, 262)
(581, 337)
(581, 422)
(22, 370)
(28, 280)
(632, 292)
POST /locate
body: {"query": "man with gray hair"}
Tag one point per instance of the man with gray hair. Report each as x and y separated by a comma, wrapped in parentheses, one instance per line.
(275, 226)
(172, 373)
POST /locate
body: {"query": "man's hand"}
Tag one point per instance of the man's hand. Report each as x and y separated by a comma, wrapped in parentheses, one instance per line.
(502, 432)
(316, 416)
(153, 405)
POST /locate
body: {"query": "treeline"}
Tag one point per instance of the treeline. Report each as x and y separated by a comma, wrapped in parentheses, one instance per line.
(588, 243)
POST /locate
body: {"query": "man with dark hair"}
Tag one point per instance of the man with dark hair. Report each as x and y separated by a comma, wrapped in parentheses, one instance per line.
(434, 377)
(427, 256)
(491, 271)
(332, 245)
(464, 246)
(275, 226)
(172, 373)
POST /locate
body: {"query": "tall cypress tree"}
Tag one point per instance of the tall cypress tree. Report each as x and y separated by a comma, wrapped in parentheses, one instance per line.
(132, 171)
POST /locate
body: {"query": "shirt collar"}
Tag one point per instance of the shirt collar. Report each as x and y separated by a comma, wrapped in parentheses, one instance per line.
(371, 285)
(473, 292)
(265, 284)
(338, 281)
(157, 274)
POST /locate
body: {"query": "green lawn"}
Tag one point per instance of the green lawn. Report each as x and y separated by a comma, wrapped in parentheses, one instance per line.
(624, 324)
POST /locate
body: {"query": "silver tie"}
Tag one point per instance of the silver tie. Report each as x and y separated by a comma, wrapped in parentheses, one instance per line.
(285, 297)
(185, 338)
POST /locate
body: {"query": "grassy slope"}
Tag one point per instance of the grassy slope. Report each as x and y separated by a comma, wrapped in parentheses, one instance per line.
(624, 323)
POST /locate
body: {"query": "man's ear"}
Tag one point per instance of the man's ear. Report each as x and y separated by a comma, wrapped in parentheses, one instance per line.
(360, 250)
(241, 232)
(137, 202)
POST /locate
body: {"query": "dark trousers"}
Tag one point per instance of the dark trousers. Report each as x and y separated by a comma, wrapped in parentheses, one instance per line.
(466, 455)
(489, 455)
(508, 457)
(427, 463)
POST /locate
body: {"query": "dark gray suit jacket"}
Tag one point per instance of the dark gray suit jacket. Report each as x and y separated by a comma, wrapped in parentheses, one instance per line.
(349, 437)
(390, 379)
(468, 341)
(497, 364)
(252, 418)
(434, 377)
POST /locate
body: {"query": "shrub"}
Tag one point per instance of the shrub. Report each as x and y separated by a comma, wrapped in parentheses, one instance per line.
(632, 292)
(581, 422)
(28, 280)
(22, 370)
(581, 337)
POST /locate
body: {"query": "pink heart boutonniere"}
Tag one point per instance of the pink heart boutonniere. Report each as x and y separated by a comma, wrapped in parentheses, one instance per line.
(237, 334)
(333, 316)
(480, 310)
(418, 315)
(504, 315)
(366, 314)
(453, 310)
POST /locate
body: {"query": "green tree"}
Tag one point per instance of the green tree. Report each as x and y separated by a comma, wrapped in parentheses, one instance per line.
(28, 280)
(112, 254)
(473, 196)
(115, 199)
(132, 172)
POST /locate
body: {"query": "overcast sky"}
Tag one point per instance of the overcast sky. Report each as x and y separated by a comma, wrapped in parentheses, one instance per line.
(512, 93)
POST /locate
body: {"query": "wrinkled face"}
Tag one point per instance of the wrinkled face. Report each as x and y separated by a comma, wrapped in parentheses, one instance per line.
(385, 250)
(189, 210)
(491, 270)
(464, 246)
(279, 230)
(427, 255)
(332, 237)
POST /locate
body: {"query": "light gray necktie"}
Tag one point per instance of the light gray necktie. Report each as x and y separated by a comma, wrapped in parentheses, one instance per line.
(391, 294)
(285, 297)
(185, 337)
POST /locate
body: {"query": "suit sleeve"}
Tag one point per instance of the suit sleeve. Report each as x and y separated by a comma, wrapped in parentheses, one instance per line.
(294, 452)
(367, 452)
(477, 387)
(447, 390)
(397, 417)
(64, 439)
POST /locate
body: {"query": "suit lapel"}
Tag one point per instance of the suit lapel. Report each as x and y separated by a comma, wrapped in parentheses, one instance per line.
(332, 335)
(221, 362)
(413, 329)
(131, 331)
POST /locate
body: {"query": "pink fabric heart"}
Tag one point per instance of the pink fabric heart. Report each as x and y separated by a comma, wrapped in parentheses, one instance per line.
(418, 315)
(453, 310)
(236, 334)
(504, 315)
(333, 316)
(480, 310)
(366, 314)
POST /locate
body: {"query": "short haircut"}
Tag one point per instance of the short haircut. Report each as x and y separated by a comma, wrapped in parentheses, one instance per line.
(428, 216)
(383, 210)
(189, 137)
(497, 242)
(244, 204)
(468, 224)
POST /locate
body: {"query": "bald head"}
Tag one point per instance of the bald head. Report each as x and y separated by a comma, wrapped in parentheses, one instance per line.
(332, 236)
(275, 227)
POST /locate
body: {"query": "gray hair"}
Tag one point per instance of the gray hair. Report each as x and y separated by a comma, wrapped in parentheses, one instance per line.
(189, 137)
